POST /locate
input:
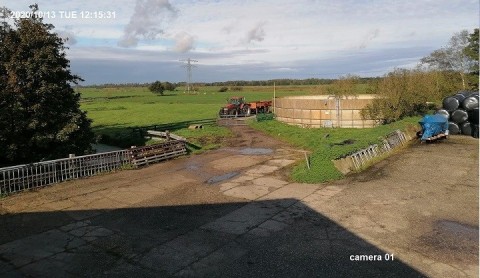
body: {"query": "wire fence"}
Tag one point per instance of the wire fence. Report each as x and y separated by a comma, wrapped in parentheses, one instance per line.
(28, 176)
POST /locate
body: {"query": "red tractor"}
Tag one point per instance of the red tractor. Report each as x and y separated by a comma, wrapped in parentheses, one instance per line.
(237, 106)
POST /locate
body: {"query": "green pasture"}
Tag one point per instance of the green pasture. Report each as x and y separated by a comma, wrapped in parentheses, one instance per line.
(117, 111)
(129, 107)
(327, 144)
(120, 114)
(119, 108)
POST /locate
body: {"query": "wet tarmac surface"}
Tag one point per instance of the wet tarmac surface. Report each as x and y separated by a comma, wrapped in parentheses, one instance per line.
(255, 151)
(221, 178)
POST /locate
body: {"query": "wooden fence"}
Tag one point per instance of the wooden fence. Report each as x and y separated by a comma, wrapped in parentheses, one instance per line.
(155, 153)
(23, 177)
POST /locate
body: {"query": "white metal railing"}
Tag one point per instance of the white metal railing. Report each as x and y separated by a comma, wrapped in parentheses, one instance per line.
(28, 176)
(392, 140)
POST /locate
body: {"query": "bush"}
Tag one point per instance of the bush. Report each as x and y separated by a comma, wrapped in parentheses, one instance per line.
(167, 86)
(156, 87)
(223, 89)
(403, 93)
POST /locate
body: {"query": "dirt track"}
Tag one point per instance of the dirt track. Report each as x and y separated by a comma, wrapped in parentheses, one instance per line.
(232, 212)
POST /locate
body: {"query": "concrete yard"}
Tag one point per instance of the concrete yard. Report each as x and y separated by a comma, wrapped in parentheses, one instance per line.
(233, 212)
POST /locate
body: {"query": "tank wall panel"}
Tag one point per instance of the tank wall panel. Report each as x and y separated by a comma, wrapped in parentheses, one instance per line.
(318, 111)
(316, 114)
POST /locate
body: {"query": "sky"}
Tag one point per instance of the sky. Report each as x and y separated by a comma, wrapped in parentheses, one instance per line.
(127, 41)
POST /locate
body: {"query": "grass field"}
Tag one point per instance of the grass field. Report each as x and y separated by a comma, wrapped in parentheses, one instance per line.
(112, 108)
(129, 107)
(327, 144)
(116, 112)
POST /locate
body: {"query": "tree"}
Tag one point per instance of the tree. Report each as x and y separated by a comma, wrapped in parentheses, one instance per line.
(402, 93)
(40, 116)
(156, 87)
(169, 86)
(471, 50)
(344, 86)
(452, 57)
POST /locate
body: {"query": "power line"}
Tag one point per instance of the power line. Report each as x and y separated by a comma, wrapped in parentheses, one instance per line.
(189, 67)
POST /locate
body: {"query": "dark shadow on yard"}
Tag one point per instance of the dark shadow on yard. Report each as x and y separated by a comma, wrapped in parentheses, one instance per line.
(276, 238)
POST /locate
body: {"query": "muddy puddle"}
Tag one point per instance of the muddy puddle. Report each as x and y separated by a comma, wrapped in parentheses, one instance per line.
(223, 177)
(455, 241)
(456, 229)
(256, 151)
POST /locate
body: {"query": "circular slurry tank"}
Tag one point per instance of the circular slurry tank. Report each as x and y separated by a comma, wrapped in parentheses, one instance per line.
(324, 111)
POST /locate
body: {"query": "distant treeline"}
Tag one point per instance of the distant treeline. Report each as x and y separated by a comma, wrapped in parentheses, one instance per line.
(279, 82)
(115, 85)
(286, 82)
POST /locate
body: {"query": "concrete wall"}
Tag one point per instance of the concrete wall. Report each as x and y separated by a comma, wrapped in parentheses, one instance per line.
(321, 111)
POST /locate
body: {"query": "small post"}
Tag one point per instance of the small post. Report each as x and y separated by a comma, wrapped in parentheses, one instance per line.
(306, 159)
(274, 93)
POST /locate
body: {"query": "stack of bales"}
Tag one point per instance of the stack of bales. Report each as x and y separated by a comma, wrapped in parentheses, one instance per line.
(462, 111)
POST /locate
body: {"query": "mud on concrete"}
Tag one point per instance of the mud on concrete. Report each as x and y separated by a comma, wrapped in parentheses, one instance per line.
(167, 220)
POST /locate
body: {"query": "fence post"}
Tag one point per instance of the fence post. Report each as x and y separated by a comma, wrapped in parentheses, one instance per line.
(306, 159)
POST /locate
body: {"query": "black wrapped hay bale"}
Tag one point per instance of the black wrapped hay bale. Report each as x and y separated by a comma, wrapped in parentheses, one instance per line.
(450, 104)
(453, 128)
(461, 96)
(473, 116)
(474, 130)
(466, 128)
(470, 103)
(443, 112)
(466, 93)
(459, 116)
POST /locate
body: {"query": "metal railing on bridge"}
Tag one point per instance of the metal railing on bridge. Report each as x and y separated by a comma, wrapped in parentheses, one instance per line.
(28, 176)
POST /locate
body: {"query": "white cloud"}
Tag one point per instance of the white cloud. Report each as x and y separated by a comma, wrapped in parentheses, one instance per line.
(147, 21)
(184, 42)
(280, 33)
(285, 69)
(67, 36)
(257, 33)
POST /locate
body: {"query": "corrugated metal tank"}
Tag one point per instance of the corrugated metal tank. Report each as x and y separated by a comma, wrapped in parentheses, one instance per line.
(324, 111)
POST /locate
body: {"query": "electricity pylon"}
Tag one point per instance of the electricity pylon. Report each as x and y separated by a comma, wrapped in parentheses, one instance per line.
(189, 67)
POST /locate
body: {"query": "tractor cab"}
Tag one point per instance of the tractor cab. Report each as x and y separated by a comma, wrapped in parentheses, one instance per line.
(236, 100)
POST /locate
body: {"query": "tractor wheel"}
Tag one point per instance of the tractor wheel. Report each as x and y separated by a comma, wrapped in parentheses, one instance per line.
(246, 111)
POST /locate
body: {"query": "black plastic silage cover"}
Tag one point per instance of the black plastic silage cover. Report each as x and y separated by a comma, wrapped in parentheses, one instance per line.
(460, 96)
(450, 104)
(470, 103)
(453, 128)
(443, 112)
(459, 116)
(473, 116)
(466, 128)
(475, 131)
